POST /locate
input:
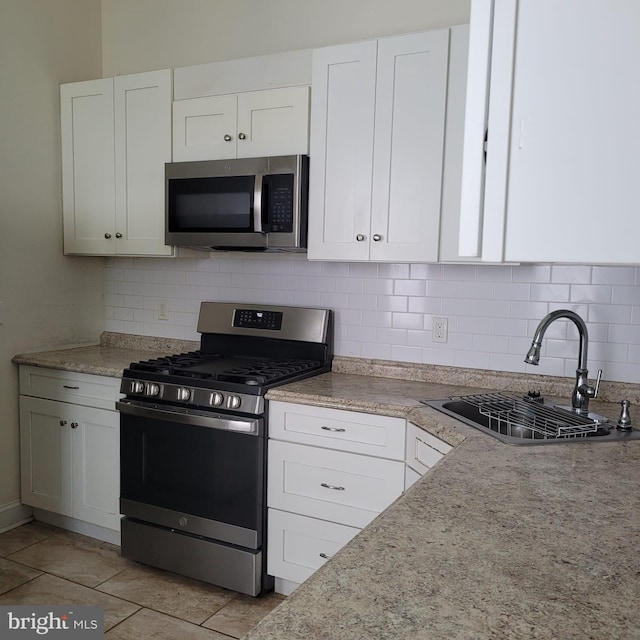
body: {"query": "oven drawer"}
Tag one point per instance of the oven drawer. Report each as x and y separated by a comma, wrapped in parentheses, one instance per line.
(69, 386)
(332, 485)
(375, 435)
(299, 545)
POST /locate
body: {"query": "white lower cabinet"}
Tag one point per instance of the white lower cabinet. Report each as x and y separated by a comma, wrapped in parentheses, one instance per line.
(298, 545)
(330, 473)
(70, 450)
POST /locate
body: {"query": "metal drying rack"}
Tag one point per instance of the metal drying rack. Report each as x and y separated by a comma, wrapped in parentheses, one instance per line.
(507, 410)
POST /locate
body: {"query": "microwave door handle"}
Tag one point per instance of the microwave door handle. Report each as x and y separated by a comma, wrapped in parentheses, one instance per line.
(257, 204)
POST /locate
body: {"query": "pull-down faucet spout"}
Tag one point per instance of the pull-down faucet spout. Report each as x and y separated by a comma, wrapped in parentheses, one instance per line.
(582, 392)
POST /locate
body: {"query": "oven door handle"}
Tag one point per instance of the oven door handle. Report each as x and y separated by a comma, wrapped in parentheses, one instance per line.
(219, 421)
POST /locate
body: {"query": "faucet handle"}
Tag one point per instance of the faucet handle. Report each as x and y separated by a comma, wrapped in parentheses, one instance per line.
(597, 387)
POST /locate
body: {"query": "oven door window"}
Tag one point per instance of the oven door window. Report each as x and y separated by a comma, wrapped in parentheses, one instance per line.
(207, 472)
(221, 204)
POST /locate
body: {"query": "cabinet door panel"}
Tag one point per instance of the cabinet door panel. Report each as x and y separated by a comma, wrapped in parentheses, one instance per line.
(96, 466)
(343, 105)
(409, 140)
(88, 166)
(274, 122)
(142, 146)
(575, 133)
(45, 455)
(299, 545)
(200, 126)
(341, 487)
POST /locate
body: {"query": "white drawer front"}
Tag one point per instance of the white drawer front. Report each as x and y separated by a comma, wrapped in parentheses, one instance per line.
(331, 485)
(68, 386)
(299, 545)
(423, 449)
(382, 436)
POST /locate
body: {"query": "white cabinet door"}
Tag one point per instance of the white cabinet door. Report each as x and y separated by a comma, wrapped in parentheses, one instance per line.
(341, 149)
(377, 139)
(96, 466)
(88, 195)
(299, 545)
(204, 128)
(142, 146)
(45, 454)
(70, 460)
(409, 140)
(116, 137)
(331, 485)
(272, 122)
(563, 132)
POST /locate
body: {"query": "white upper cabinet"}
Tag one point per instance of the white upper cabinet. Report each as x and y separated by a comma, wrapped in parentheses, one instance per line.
(378, 119)
(273, 122)
(116, 137)
(552, 83)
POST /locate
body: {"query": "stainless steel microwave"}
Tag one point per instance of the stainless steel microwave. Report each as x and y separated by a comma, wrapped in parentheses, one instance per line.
(243, 204)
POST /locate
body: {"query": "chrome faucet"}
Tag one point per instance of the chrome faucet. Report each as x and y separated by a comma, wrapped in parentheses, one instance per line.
(582, 391)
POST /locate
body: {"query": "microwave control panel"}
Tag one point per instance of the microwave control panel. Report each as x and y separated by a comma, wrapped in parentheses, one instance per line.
(278, 193)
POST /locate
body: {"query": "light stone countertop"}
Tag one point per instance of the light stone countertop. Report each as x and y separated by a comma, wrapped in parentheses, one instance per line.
(495, 541)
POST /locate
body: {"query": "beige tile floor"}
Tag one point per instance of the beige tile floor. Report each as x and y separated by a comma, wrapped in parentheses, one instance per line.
(40, 564)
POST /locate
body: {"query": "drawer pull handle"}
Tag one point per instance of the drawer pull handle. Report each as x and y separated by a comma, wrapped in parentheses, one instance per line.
(325, 556)
(68, 386)
(63, 423)
(331, 486)
(337, 429)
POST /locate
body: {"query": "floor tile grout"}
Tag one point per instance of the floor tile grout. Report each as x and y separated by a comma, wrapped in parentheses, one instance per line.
(80, 547)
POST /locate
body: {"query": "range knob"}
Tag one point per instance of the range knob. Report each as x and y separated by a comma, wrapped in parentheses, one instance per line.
(152, 389)
(184, 394)
(216, 399)
(137, 386)
(233, 402)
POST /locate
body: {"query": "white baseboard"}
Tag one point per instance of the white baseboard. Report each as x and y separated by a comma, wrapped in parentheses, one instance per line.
(77, 526)
(14, 514)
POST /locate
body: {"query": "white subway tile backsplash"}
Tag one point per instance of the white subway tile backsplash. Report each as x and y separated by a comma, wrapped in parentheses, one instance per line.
(550, 292)
(385, 311)
(571, 274)
(613, 275)
(625, 295)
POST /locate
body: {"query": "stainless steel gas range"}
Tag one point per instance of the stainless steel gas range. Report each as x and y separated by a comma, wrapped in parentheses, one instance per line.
(193, 441)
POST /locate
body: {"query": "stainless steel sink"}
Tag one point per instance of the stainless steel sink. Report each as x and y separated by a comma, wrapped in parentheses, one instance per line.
(517, 420)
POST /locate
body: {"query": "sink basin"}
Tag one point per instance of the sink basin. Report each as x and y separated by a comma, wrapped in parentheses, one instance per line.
(516, 420)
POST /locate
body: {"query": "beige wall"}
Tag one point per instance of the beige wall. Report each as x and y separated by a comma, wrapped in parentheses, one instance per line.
(48, 299)
(142, 35)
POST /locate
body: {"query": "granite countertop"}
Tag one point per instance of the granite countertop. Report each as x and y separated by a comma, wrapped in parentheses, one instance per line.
(495, 541)
(114, 353)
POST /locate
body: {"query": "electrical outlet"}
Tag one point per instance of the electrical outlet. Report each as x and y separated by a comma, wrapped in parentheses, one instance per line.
(163, 309)
(440, 331)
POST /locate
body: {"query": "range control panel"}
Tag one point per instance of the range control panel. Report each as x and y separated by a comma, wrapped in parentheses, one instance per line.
(256, 319)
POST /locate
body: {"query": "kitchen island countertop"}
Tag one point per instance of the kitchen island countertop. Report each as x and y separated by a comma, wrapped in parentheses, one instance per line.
(495, 541)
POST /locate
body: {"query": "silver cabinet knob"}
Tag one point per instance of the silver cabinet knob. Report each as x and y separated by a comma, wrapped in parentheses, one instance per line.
(377, 237)
(227, 137)
(118, 235)
(74, 425)
(107, 236)
(63, 423)
(242, 136)
(359, 237)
